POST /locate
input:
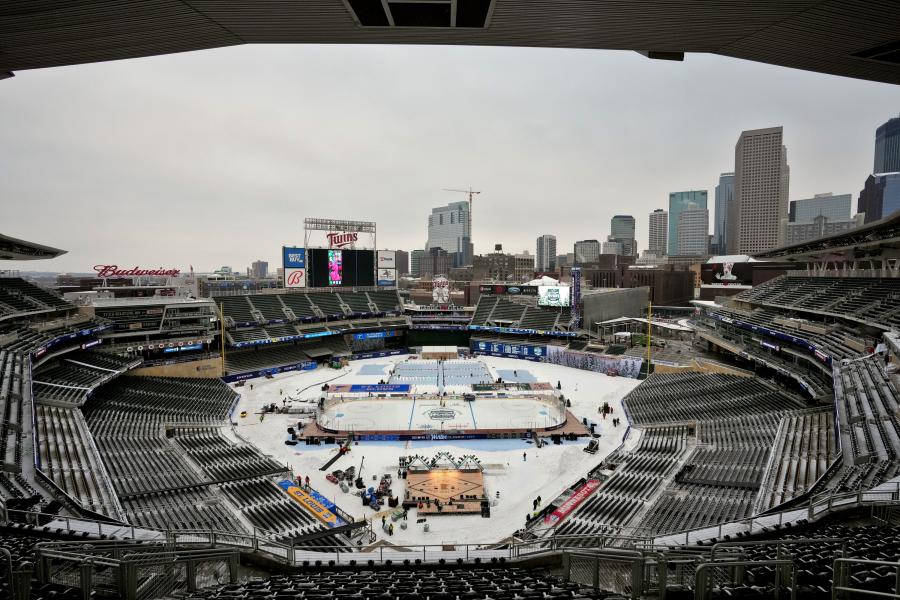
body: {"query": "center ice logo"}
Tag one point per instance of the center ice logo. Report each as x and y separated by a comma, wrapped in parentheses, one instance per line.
(442, 414)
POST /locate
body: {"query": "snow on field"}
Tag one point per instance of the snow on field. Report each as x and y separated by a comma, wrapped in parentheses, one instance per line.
(544, 472)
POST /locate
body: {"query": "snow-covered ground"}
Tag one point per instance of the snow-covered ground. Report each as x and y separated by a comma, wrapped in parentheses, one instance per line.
(514, 468)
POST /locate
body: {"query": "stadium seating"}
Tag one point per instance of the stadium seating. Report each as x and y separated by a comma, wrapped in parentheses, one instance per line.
(868, 404)
(358, 303)
(69, 458)
(241, 361)
(270, 510)
(238, 308)
(386, 301)
(865, 299)
(269, 306)
(470, 583)
(300, 305)
(18, 296)
(804, 449)
(71, 378)
(666, 398)
(221, 459)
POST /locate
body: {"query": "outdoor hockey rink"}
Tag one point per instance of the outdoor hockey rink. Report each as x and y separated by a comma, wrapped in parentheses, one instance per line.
(391, 414)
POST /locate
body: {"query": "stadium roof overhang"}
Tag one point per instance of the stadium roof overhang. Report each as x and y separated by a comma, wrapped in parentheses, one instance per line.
(14, 249)
(853, 38)
(877, 240)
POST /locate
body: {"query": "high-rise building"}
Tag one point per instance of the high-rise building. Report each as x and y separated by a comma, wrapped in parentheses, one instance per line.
(659, 232)
(259, 269)
(880, 197)
(693, 231)
(761, 180)
(833, 208)
(436, 261)
(621, 231)
(546, 253)
(820, 226)
(724, 199)
(449, 227)
(611, 247)
(887, 147)
(401, 257)
(587, 251)
(415, 262)
(678, 201)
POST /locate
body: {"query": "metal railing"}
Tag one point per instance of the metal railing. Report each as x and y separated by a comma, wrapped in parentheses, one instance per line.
(842, 588)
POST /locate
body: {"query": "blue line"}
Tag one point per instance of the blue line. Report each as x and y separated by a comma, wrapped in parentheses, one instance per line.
(411, 413)
(472, 410)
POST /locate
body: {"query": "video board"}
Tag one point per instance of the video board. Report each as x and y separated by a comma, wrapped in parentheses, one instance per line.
(331, 267)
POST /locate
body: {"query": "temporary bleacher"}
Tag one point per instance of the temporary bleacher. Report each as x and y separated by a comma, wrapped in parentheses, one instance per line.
(70, 459)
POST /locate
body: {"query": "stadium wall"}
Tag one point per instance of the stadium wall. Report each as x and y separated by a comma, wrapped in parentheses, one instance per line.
(206, 368)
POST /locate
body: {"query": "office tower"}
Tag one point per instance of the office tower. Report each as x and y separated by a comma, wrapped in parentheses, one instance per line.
(761, 179)
(659, 232)
(546, 253)
(833, 208)
(587, 251)
(436, 261)
(259, 269)
(621, 230)
(693, 231)
(724, 199)
(415, 262)
(880, 197)
(611, 247)
(678, 201)
(402, 259)
(887, 147)
(449, 229)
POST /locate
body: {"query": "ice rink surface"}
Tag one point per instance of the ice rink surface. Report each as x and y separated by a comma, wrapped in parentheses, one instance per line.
(514, 468)
(434, 414)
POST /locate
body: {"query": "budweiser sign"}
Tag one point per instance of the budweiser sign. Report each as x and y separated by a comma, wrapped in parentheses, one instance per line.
(341, 239)
(115, 271)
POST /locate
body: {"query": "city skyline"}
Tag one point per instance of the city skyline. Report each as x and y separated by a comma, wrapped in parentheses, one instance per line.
(122, 146)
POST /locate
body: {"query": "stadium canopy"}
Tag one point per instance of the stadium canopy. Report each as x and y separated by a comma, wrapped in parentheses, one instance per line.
(853, 38)
(15, 249)
(878, 240)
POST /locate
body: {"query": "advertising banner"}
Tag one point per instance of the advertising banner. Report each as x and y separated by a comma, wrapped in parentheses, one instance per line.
(387, 276)
(508, 290)
(575, 500)
(549, 295)
(294, 263)
(511, 350)
(387, 259)
(311, 504)
(374, 388)
(373, 335)
(340, 240)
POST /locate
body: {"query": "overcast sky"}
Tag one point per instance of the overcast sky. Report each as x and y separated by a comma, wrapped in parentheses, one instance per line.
(215, 157)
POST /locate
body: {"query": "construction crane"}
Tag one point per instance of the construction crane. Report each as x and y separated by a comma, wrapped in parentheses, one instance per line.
(471, 193)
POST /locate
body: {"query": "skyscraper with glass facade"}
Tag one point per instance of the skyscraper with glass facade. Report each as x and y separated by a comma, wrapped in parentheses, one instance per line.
(449, 227)
(679, 201)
